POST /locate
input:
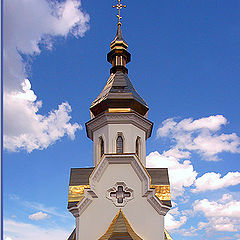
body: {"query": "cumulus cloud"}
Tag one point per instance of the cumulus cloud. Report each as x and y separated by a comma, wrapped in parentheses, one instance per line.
(223, 214)
(171, 223)
(181, 172)
(213, 181)
(225, 207)
(33, 130)
(38, 216)
(28, 27)
(221, 224)
(18, 230)
(200, 136)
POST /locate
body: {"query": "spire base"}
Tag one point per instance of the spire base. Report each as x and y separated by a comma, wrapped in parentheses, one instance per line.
(118, 68)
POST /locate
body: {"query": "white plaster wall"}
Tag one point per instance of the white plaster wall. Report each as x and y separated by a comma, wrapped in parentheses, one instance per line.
(143, 218)
(109, 134)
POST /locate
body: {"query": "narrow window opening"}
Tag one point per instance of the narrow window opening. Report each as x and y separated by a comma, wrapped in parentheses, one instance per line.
(101, 147)
(138, 146)
(119, 144)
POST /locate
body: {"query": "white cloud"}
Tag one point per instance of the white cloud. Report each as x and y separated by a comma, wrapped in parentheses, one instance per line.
(223, 225)
(174, 211)
(187, 232)
(18, 230)
(213, 181)
(33, 130)
(27, 25)
(42, 208)
(38, 216)
(223, 215)
(181, 174)
(171, 223)
(218, 209)
(200, 135)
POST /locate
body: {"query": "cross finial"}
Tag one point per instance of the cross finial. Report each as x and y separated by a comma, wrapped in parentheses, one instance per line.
(119, 6)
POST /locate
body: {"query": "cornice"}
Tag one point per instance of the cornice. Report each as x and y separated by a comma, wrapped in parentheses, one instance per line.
(119, 118)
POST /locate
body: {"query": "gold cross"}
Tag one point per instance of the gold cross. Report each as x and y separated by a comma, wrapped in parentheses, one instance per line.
(119, 6)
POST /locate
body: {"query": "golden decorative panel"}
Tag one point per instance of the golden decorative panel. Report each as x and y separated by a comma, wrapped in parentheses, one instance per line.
(112, 110)
(76, 193)
(162, 191)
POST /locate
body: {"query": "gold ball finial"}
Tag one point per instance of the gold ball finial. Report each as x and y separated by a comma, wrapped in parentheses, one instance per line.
(119, 6)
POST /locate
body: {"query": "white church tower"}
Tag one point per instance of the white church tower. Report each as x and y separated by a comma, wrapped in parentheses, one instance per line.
(119, 198)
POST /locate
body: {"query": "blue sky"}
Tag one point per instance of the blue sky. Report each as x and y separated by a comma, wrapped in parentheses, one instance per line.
(185, 64)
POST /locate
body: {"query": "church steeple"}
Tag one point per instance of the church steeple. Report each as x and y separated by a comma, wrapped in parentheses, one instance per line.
(119, 92)
(119, 178)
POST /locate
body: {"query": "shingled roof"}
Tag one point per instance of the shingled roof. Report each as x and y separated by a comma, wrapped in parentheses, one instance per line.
(119, 93)
(120, 229)
(80, 176)
(73, 235)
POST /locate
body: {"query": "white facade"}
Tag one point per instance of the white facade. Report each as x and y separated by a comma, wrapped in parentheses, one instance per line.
(96, 211)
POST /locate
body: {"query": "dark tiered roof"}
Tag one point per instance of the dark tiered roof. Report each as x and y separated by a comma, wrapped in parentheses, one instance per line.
(119, 93)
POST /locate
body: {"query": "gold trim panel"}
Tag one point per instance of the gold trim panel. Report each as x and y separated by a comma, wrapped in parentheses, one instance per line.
(113, 110)
(162, 192)
(76, 193)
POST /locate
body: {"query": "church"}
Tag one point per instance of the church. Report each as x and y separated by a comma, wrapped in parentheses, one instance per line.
(119, 198)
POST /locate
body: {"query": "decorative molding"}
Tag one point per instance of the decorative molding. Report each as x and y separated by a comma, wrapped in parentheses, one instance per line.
(125, 189)
(156, 204)
(84, 197)
(140, 171)
(74, 211)
(96, 175)
(119, 118)
(83, 205)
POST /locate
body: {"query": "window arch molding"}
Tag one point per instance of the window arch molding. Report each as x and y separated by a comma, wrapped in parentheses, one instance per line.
(119, 143)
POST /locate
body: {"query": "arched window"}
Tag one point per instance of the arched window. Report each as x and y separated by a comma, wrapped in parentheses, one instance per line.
(101, 147)
(119, 144)
(138, 146)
